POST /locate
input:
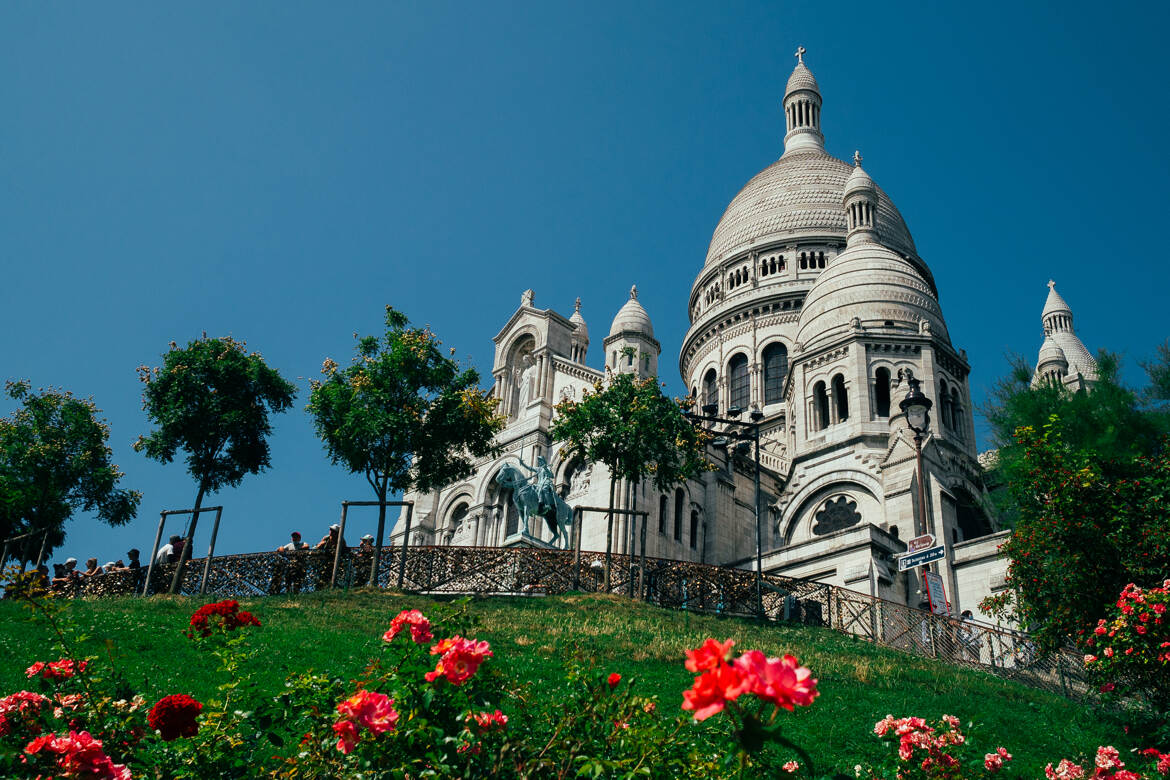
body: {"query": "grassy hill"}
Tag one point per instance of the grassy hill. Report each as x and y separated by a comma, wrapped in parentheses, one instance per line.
(534, 638)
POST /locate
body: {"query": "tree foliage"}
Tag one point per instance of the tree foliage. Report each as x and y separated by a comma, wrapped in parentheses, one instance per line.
(1087, 526)
(55, 460)
(636, 431)
(211, 399)
(404, 415)
(1084, 480)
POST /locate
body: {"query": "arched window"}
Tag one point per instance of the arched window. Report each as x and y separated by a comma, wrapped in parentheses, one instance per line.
(737, 370)
(662, 513)
(944, 397)
(775, 360)
(841, 398)
(711, 388)
(456, 519)
(679, 505)
(957, 412)
(694, 529)
(820, 407)
(881, 392)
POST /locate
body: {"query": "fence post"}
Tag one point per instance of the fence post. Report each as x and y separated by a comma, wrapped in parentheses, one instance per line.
(41, 554)
(210, 551)
(1060, 671)
(991, 649)
(577, 515)
(162, 519)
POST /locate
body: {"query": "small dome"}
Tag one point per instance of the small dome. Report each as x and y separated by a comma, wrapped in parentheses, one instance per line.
(1050, 352)
(859, 180)
(873, 285)
(632, 317)
(581, 332)
(801, 78)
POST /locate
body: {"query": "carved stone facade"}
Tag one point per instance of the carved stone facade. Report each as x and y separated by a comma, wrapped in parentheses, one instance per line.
(814, 309)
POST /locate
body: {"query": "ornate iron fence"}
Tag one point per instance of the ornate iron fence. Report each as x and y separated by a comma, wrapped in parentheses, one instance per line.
(667, 583)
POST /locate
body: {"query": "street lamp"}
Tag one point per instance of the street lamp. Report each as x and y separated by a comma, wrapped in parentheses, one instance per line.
(751, 434)
(916, 407)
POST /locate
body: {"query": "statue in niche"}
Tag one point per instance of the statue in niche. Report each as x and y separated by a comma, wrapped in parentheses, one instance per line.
(579, 479)
(525, 378)
(837, 514)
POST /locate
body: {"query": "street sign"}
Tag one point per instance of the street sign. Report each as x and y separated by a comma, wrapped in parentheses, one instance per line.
(920, 543)
(914, 560)
(935, 592)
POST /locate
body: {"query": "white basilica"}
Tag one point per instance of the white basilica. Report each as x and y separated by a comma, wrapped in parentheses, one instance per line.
(814, 309)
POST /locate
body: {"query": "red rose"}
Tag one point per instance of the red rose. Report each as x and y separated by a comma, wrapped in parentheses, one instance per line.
(613, 680)
(174, 716)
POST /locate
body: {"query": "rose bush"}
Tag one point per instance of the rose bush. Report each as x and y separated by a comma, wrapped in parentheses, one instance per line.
(439, 708)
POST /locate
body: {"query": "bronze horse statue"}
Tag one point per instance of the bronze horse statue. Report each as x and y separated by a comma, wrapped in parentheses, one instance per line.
(535, 497)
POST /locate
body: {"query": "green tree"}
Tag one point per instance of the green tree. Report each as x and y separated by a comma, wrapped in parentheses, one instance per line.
(211, 399)
(403, 415)
(637, 432)
(1087, 526)
(1110, 422)
(1082, 479)
(55, 460)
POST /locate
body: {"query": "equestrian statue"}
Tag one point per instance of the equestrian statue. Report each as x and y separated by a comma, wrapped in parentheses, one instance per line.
(536, 496)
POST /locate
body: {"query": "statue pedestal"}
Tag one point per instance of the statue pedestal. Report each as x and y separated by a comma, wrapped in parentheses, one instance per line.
(525, 539)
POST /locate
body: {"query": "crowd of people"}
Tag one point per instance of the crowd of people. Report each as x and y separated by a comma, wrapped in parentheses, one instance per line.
(289, 572)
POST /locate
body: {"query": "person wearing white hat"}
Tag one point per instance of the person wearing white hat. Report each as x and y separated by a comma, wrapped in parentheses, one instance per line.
(326, 550)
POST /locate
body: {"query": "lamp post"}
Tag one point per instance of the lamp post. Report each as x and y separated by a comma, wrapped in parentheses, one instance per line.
(916, 407)
(750, 434)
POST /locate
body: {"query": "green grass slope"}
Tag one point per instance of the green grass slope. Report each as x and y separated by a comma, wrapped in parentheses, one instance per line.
(533, 640)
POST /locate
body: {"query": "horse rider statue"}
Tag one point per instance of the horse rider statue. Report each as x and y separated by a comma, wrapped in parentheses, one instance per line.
(542, 481)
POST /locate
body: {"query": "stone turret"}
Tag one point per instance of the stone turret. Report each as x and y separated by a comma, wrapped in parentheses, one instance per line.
(630, 345)
(580, 340)
(1079, 369)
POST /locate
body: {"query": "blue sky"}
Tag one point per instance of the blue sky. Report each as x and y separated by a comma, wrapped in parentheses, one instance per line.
(281, 171)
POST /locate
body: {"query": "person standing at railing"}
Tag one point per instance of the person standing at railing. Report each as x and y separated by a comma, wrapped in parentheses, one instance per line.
(290, 568)
(325, 551)
(364, 558)
(969, 635)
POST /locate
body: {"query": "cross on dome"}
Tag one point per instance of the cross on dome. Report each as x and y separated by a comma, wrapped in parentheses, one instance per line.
(857, 158)
(1051, 284)
(800, 50)
(577, 305)
(634, 292)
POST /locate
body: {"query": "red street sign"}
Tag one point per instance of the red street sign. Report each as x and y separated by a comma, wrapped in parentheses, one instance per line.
(935, 593)
(919, 543)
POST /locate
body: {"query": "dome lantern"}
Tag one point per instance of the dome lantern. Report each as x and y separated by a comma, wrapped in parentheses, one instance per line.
(860, 201)
(802, 109)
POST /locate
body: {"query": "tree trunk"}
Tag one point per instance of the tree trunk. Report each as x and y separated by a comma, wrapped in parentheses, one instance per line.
(185, 555)
(609, 529)
(378, 543)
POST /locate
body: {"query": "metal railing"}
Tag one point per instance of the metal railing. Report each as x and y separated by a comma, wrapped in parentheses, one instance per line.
(667, 583)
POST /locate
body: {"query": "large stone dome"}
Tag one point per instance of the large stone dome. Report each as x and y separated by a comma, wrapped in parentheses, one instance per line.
(878, 287)
(798, 195)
